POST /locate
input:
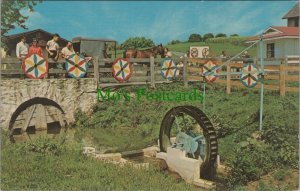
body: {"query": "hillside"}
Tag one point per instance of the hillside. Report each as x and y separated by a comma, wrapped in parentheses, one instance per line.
(232, 46)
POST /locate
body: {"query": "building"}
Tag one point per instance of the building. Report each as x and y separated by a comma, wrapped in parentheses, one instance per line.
(292, 16)
(43, 36)
(281, 41)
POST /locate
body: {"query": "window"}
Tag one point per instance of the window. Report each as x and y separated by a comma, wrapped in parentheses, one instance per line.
(270, 50)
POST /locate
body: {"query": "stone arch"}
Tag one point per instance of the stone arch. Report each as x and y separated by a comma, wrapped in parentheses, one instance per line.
(36, 101)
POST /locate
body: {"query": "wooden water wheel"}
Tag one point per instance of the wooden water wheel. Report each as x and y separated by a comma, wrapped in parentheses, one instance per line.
(37, 117)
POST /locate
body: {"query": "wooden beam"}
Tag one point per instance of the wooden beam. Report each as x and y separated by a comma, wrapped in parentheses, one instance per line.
(28, 118)
(185, 73)
(96, 71)
(40, 118)
(228, 80)
(282, 79)
(152, 71)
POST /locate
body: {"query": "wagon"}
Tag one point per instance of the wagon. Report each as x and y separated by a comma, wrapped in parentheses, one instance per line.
(94, 47)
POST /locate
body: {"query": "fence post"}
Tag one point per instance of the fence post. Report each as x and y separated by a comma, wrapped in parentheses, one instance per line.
(228, 79)
(282, 77)
(96, 71)
(152, 71)
(185, 77)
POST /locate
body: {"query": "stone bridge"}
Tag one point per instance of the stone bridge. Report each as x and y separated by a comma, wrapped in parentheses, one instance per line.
(69, 94)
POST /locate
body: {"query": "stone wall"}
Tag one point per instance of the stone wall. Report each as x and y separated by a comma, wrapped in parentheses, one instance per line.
(70, 94)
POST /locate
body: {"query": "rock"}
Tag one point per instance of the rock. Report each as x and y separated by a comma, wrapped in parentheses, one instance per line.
(70, 94)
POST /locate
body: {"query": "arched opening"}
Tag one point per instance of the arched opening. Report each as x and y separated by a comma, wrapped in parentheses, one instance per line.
(35, 117)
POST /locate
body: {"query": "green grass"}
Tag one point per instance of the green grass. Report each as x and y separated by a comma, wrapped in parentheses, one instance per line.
(24, 169)
(215, 48)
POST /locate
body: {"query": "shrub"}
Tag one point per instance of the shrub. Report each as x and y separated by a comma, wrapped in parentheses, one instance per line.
(252, 159)
(207, 36)
(221, 35)
(44, 146)
(175, 42)
(195, 38)
(138, 42)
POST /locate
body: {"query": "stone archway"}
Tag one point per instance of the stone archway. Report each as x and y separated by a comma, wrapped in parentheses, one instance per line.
(35, 117)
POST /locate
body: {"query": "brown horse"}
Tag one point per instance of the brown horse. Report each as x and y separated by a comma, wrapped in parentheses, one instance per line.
(134, 53)
(147, 53)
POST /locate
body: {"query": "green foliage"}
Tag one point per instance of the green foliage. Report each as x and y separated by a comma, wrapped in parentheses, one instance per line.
(174, 42)
(207, 36)
(281, 174)
(71, 170)
(234, 35)
(44, 146)
(220, 35)
(11, 13)
(195, 38)
(81, 119)
(137, 42)
(252, 159)
(277, 137)
(234, 40)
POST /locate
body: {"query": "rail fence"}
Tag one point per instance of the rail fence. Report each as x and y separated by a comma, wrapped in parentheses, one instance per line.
(280, 74)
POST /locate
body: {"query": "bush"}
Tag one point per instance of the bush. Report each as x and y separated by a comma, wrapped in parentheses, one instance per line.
(174, 42)
(44, 146)
(137, 42)
(207, 36)
(221, 35)
(277, 137)
(252, 159)
(195, 38)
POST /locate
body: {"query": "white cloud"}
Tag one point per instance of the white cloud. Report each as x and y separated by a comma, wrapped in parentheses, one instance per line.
(36, 19)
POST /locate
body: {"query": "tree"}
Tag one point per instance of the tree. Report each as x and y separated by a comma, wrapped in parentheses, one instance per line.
(195, 38)
(175, 42)
(207, 36)
(233, 35)
(221, 35)
(137, 42)
(11, 13)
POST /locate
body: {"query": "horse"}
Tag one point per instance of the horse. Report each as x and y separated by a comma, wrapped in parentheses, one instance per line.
(130, 53)
(147, 53)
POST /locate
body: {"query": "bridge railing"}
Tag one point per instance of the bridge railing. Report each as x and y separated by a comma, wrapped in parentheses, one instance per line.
(145, 71)
(281, 74)
(11, 68)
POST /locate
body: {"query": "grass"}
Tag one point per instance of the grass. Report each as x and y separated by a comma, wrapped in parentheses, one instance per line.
(70, 170)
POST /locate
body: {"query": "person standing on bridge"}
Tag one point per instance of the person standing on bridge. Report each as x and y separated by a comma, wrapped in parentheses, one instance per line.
(68, 50)
(35, 48)
(22, 49)
(52, 47)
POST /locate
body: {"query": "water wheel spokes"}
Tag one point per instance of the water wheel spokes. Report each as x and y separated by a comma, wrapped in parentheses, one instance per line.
(194, 123)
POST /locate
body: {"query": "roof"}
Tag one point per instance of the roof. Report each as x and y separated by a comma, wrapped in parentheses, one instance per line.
(294, 12)
(79, 38)
(278, 32)
(18, 35)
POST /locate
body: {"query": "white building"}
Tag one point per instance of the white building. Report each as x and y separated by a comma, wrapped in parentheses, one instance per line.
(281, 41)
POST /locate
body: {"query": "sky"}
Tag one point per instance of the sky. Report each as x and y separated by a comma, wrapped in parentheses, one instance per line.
(157, 20)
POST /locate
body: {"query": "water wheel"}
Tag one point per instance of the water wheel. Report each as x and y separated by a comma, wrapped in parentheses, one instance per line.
(191, 121)
(37, 117)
